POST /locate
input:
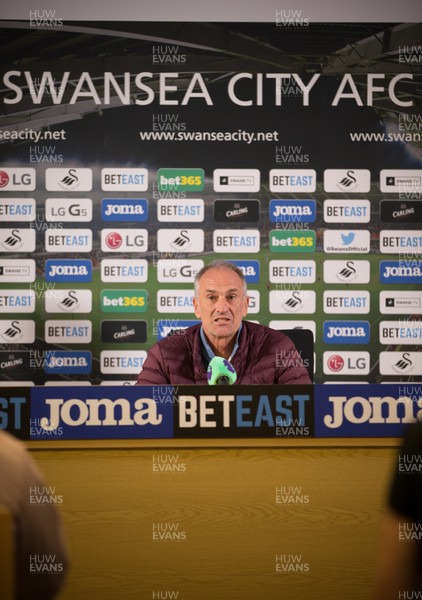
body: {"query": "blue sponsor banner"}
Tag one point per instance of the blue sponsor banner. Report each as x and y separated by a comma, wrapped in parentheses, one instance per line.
(124, 209)
(251, 269)
(67, 362)
(292, 211)
(167, 327)
(401, 271)
(365, 410)
(347, 332)
(66, 270)
(102, 412)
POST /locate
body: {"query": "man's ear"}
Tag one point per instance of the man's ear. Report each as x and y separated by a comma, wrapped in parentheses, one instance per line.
(245, 306)
(196, 308)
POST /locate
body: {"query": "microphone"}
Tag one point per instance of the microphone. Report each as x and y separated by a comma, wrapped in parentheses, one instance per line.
(220, 372)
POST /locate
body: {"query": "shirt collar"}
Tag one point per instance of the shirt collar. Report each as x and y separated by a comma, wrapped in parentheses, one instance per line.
(208, 351)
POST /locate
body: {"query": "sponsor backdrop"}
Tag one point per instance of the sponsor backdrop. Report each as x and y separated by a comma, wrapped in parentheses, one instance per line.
(126, 163)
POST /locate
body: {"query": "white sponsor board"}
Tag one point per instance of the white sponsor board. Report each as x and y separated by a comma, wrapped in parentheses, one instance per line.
(69, 332)
(293, 180)
(61, 300)
(292, 271)
(122, 362)
(403, 302)
(68, 180)
(180, 210)
(400, 332)
(401, 363)
(68, 240)
(12, 180)
(17, 331)
(68, 210)
(17, 301)
(347, 211)
(347, 271)
(356, 241)
(180, 240)
(236, 240)
(17, 209)
(124, 180)
(237, 180)
(130, 270)
(17, 240)
(347, 302)
(178, 270)
(124, 240)
(297, 301)
(17, 270)
(347, 180)
(396, 241)
(393, 181)
(175, 301)
(346, 363)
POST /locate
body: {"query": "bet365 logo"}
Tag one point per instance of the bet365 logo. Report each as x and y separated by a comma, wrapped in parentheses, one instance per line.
(181, 180)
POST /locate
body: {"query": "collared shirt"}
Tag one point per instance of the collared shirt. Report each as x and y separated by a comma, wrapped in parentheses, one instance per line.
(207, 352)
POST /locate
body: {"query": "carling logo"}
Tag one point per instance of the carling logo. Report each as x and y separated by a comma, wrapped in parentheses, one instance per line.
(237, 211)
(68, 271)
(68, 180)
(401, 211)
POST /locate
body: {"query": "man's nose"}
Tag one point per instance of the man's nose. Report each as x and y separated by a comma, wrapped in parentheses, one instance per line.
(221, 304)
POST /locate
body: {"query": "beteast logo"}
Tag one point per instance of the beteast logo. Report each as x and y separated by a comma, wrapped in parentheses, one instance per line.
(292, 211)
(75, 301)
(14, 209)
(18, 331)
(292, 271)
(17, 301)
(346, 363)
(180, 240)
(17, 270)
(12, 180)
(72, 271)
(346, 301)
(17, 240)
(350, 211)
(128, 270)
(118, 362)
(401, 271)
(124, 180)
(69, 332)
(400, 332)
(230, 240)
(68, 180)
(397, 211)
(347, 180)
(346, 332)
(123, 332)
(175, 210)
(293, 180)
(179, 301)
(124, 240)
(67, 210)
(395, 241)
(129, 210)
(242, 211)
(68, 240)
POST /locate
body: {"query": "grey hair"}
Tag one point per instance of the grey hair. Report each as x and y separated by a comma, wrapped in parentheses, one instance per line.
(219, 264)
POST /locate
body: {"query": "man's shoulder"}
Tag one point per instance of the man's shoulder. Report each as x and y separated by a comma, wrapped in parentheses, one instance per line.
(179, 338)
(258, 331)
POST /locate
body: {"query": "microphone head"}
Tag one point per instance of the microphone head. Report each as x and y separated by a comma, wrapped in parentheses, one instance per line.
(221, 372)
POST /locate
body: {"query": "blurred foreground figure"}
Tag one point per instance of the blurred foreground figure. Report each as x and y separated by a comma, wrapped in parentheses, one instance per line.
(40, 551)
(399, 575)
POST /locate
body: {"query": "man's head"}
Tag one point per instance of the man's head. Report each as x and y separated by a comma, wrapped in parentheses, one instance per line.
(220, 300)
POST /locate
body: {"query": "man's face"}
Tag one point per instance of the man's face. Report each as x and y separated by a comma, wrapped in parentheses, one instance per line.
(221, 303)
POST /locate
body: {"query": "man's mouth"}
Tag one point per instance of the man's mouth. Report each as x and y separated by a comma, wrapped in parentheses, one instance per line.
(222, 320)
